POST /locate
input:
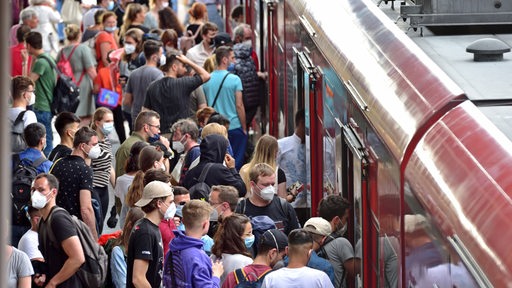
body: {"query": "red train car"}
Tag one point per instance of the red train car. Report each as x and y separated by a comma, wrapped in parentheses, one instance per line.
(416, 136)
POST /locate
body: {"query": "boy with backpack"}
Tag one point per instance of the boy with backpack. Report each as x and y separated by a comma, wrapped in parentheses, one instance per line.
(25, 167)
(22, 92)
(271, 249)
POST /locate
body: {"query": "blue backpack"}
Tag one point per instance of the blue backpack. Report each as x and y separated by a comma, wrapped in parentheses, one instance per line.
(243, 282)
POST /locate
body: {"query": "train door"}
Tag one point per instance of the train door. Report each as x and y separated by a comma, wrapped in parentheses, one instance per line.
(273, 66)
(357, 186)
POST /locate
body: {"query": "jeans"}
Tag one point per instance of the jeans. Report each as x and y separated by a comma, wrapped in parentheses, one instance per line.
(238, 140)
(45, 118)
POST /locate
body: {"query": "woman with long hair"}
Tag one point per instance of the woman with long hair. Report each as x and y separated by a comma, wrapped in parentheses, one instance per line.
(133, 18)
(169, 20)
(118, 264)
(265, 152)
(231, 243)
(103, 124)
(83, 65)
(123, 182)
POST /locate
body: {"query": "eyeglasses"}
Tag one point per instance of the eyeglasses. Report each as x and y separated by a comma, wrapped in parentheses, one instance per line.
(156, 126)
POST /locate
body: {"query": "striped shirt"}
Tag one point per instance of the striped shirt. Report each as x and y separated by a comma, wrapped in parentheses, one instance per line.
(102, 165)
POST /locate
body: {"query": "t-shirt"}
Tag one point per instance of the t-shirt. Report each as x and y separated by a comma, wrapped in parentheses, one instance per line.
(28, 118)
(338, 251)
(283, 214)
(123, 182)
(252, 272)
(104, 37)
(63, 228)
(45, 83)
(59, 151)
(231, 262)
(18, 266)
(29, 244)
(138, 84)
(17, 60)
(226, 101)
(73, 175)
(102, 165)
(146, 244)
(170, 97)
(303, 277)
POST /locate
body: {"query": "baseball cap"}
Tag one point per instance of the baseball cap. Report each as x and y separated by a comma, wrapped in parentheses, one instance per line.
(318, 225)
(222, 39)
(154, 189)
(274, 238)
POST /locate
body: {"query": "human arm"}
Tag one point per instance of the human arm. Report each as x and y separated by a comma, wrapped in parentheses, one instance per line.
(240, 109)
(112, 176)
(87, 212)
(105, 47)
(205, 76)
(25, 282)
(233, 177)
(91, 71)
(140, 267)
(127, 98)
(76, 258)
(202, 276)
(118, 267)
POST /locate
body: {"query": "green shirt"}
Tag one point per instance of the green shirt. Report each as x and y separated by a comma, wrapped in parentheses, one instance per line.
(45, 83)
(123, 152)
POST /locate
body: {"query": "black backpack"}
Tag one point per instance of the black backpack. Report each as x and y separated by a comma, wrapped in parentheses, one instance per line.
(23, 173)
(65, 94)
(243, 282)
(17, 141)
(201, 190)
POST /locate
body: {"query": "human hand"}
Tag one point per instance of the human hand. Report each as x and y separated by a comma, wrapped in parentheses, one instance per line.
(183, 59)
(39, 279)
(230, 161)
(24, 55)
(217, 268)
(164, 141)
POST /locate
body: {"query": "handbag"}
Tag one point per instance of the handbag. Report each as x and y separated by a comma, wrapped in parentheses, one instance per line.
(107, 97)
(71, 12)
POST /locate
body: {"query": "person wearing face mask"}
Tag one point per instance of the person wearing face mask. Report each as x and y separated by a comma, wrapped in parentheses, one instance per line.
(107, 39)
(264, 201)
(271, 249)
(66, 124)
(76, 179)
(140, 78)
(184, 141)
(232, 240)
(297, 274)
(204, 49)
(103, 170)
(22, 96)
(246, 67)
(145, 252)
(68, 250)
(223, 200)
(170, 95)
(337, 249)
(224, 94)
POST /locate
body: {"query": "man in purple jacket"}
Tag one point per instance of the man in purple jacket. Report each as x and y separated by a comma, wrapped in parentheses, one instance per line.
(186, 264)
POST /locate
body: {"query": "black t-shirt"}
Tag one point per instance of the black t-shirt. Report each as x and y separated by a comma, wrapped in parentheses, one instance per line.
(58, 152)
(146, 244)
(281, 176)
(73, 175)
(170, 97)
(63, 228)
(278, 210)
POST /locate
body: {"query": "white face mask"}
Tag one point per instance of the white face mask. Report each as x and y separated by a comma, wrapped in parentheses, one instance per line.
(32, 100)
(38, 200)
(163, 60)
(129, 48)
(178, 146)
(267, 193)
(247, 42)
(95, 152)
(170, 212)
(165, 4)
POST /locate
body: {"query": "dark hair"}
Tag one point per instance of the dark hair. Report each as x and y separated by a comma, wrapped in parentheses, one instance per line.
(170, 35)
(219, 119)
(62, 121)
(237, 11)
(151, 206)
(300, 117)
(83, 135)
(98, 16)
(170, 59)
(133, 215)
(151, 47)
(228, 238)
(132, 163)
(180, 190)
(106, 15)
(34, 39)
(156, 175)
(332, 206)
(147, 156)
(143, 118)
(21, 32)
(19, 85)
(299, 237)
(207, 27)
(222, 52)
(169, 20)
(33, 133)
(53, 182)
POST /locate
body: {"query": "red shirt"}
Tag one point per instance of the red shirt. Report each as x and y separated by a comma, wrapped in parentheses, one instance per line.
(252, 271)
(166, 228)
(102, 38)
(16, 60)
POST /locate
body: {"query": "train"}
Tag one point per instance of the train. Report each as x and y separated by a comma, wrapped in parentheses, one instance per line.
(406, 124)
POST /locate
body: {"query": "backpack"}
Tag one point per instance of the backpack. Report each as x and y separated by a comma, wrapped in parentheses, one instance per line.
(65, 93)
(91, 43)
(94, 271)
(23, 173)
(64, 65)
(17, 141)
(201, 190)
(188, 40)
(243, 282)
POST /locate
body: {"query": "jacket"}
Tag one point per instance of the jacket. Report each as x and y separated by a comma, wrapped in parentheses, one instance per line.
(213, 150)
(246, 70)
(192, 267)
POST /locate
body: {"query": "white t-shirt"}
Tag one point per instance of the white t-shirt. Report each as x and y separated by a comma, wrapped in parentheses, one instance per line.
(29, 244)
(231, 262)
(123, 182)
(303, 277)
(28, 118)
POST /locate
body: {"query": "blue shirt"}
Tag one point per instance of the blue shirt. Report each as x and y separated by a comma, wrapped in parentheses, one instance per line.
(32, 154)
(226, 102)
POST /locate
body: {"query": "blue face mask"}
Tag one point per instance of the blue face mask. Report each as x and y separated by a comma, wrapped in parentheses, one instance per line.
(110, 6)
(249, 241)
(181, 227)
(154, 138)
(231, 67)
(111, 29)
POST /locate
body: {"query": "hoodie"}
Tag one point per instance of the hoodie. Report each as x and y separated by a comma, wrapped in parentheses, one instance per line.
(192, 267)
(213, 150)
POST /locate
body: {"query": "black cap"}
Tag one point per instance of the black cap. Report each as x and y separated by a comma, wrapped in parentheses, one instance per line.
(222, 39)
(274, 238)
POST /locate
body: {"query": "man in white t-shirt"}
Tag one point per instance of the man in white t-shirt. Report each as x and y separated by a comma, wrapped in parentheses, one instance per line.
(297, 274)
(29, 242)
(22, 89)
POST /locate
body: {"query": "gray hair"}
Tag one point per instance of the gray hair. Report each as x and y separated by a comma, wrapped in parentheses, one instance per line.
(186, 126)
(27, 14)
(239, 31)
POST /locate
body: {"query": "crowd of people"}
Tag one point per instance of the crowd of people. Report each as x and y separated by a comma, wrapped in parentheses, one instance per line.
(193, 209)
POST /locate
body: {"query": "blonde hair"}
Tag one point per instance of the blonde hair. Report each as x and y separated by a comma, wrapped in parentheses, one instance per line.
(129, 15)
(210, 64)
(195, 212)
(72, 32)
(264, 152)
(260, 169)
(214, 128)
(98, 115)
